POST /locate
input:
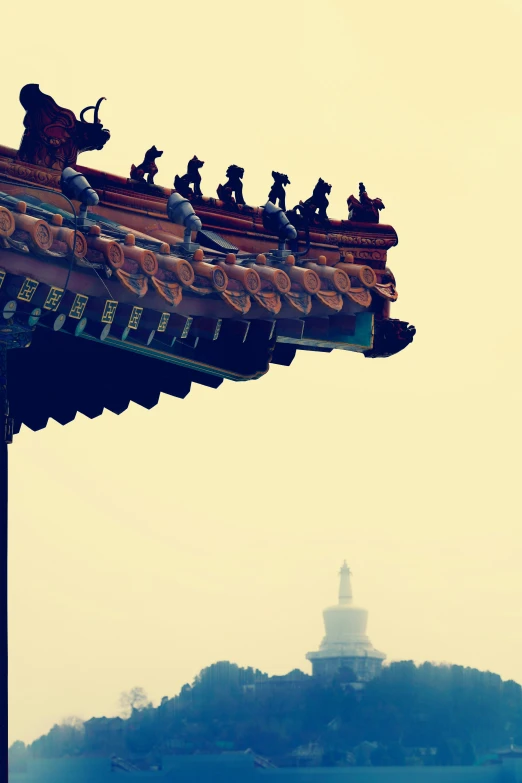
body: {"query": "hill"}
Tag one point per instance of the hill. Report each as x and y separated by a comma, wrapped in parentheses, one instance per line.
(427, 714)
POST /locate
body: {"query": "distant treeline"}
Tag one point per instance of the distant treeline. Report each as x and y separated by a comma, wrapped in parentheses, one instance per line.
(410, 714)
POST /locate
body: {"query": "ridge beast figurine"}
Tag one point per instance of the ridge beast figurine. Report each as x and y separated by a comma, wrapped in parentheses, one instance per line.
(364, 209)
(192, 177)
(148, 167)
(318, 201)
(232, 191)
(277, 192)
(53, 137)
(304, 213)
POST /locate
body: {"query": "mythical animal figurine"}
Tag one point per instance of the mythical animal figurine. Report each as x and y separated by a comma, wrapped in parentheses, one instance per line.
(232, 191)
(53, 137)
(318, 202)
(192, 177)
(148, 167)
(277, 193)
(364, 209)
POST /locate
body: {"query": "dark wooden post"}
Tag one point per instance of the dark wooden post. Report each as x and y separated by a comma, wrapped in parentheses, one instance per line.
(5, 437)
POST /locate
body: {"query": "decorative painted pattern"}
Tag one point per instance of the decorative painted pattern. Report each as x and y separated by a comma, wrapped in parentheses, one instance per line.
(109, 311)
(27, 289)
(135, 316)
(78, 306)
(53, 299)
(164, 320)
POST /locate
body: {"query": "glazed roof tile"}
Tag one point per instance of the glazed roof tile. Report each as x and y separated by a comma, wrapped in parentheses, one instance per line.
(141, 264)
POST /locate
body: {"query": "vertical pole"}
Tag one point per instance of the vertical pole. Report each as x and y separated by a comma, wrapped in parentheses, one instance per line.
(5, 436)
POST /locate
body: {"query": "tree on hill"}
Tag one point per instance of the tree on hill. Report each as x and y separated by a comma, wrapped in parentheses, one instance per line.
(135, 699)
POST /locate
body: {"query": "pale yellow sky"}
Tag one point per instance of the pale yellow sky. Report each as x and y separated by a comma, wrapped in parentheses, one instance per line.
(146, 546)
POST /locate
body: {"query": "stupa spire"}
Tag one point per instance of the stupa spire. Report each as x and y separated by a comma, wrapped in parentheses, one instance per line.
(345, 585)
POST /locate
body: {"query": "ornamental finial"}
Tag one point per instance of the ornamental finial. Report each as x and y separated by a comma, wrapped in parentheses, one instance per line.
(53, 136)
(345, 586)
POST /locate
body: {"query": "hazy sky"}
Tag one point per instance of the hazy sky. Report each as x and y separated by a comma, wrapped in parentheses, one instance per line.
(146, 546)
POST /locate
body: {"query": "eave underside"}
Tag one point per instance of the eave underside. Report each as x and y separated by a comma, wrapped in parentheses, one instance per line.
(59, 375)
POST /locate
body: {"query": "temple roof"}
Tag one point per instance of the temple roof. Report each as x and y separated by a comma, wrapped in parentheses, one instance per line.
(156, 311)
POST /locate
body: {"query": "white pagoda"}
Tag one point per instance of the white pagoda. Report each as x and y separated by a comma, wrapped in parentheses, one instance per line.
(346, 645)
